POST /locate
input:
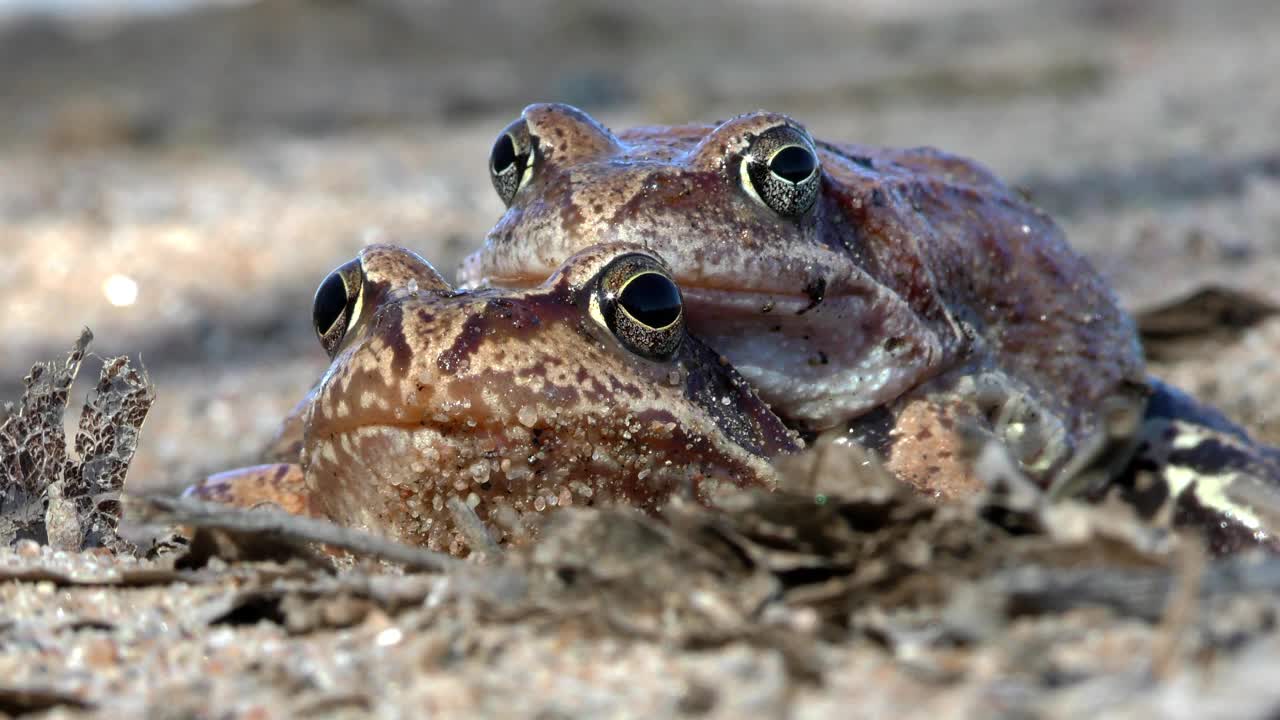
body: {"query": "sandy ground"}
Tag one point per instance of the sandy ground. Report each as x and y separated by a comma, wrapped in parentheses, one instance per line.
(224, 161)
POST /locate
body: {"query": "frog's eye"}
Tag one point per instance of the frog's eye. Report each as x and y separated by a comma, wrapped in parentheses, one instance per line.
(639, 303)
(337, 305)
(780, 170)
(511, 161)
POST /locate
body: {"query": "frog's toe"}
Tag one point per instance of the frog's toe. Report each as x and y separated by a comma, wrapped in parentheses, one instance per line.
(281, 484)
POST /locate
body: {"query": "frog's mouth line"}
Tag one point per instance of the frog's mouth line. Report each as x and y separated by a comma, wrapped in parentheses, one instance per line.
(478, 434)
(754, 302)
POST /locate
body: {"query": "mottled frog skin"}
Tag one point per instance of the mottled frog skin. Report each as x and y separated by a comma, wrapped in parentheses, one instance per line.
(901, 298)
(584, 389)
(905, 290)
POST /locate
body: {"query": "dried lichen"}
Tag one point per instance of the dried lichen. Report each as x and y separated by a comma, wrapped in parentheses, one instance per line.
(70, 500)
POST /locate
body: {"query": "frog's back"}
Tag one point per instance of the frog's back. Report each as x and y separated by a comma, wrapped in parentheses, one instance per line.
(1002, 268)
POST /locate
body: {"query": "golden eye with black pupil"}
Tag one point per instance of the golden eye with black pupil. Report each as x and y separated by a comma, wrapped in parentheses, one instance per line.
(793, 164)
(511, 161)
(780, 170)
(337, 305)
(639, 303)
(651, 300)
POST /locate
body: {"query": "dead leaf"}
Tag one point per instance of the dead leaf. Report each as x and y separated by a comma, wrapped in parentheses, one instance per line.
(1200, 322)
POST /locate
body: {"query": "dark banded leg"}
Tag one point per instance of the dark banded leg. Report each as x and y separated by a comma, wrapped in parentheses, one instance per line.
(1195, 463)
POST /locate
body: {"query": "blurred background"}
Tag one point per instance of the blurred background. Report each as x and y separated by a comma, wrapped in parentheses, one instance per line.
(179, 175)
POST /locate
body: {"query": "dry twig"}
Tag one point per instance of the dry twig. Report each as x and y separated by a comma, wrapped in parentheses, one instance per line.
(269, 525)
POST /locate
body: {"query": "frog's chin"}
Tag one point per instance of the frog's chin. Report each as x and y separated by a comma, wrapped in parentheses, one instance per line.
(408, 481)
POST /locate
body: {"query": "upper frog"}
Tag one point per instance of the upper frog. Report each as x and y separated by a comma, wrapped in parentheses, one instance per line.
(837, 278)
(584, 389)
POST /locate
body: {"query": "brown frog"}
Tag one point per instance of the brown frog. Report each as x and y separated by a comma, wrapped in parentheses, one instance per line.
(904, 296)
(904, 292)
(584, 389)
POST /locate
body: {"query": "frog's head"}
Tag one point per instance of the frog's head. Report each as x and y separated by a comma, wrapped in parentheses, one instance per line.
(752, 217)
(586, 388)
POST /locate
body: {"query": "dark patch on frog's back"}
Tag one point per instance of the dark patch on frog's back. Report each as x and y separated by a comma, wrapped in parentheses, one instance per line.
(458, 356)
(376, 292)
(281, 471)
(426, 318)
(389, 326)
(507, 318)
(687, 194)
(570, 213)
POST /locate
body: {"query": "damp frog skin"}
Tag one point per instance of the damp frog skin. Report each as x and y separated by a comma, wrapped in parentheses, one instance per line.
(584, 389)
(904, 291)
(906, 297)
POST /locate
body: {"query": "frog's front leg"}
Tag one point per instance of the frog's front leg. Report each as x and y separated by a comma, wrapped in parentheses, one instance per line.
(281, 484)
(927, 438)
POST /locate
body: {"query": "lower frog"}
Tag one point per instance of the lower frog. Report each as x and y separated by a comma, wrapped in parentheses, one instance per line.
(589, 389)
(584, 389)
